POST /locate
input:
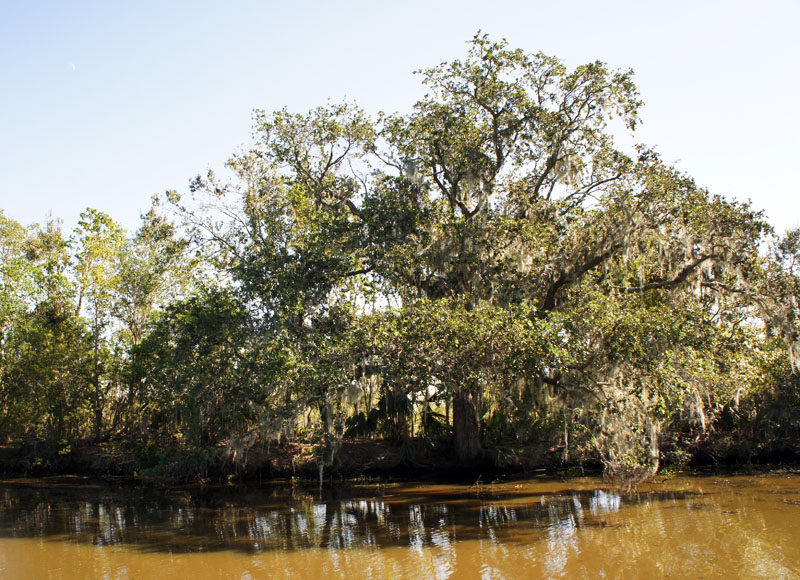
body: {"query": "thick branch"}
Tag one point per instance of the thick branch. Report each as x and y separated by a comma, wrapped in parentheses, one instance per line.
(557, 382)
(679, 278)
(548, 302)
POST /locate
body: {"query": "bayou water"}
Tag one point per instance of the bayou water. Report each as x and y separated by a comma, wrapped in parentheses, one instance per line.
(744, 526)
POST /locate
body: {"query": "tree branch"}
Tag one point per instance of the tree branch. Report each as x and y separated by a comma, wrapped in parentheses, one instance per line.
(679, 278)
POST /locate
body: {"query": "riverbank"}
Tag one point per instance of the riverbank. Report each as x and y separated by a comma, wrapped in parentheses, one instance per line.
(354, 459)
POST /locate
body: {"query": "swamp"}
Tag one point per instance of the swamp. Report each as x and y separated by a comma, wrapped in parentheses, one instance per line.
(686, 526)
(489, 287)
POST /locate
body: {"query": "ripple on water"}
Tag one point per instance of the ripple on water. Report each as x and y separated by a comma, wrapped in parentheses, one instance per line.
(529, 529)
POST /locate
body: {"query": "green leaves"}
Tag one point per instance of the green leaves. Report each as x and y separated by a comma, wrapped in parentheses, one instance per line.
(491, 252)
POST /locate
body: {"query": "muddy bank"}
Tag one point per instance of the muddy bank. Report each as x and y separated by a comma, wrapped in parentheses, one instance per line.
(364, 458)
(353, 459)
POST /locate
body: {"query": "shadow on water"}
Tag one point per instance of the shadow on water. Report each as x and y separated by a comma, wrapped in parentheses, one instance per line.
(255, 519)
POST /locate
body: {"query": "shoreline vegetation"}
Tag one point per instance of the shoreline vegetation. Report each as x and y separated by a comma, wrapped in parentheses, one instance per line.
(356, 460)
(485, 284)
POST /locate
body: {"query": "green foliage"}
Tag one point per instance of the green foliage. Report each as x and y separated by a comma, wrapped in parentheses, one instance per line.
(193, 374)
(489, 267)
(46, 367)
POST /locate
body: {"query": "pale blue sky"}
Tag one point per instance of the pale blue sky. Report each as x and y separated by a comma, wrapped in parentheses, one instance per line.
(103, 104)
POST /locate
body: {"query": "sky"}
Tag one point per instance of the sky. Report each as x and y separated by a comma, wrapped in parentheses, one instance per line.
(104, 104)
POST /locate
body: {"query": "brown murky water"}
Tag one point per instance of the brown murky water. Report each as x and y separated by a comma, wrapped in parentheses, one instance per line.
(691, 527)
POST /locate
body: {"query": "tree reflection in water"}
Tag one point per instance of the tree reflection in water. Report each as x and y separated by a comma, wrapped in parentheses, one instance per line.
(551, 528)
(288, 518)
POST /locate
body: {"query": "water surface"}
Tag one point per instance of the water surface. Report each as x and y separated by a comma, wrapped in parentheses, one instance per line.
(685, 527)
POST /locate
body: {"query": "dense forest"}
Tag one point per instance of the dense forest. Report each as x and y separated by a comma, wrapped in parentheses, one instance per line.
(489, 277)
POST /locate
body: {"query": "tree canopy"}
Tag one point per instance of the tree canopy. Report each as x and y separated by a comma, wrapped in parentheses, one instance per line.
(489, 269)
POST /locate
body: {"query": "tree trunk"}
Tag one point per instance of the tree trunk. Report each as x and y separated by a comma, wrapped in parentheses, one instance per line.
(466, 435)
(97, 403)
